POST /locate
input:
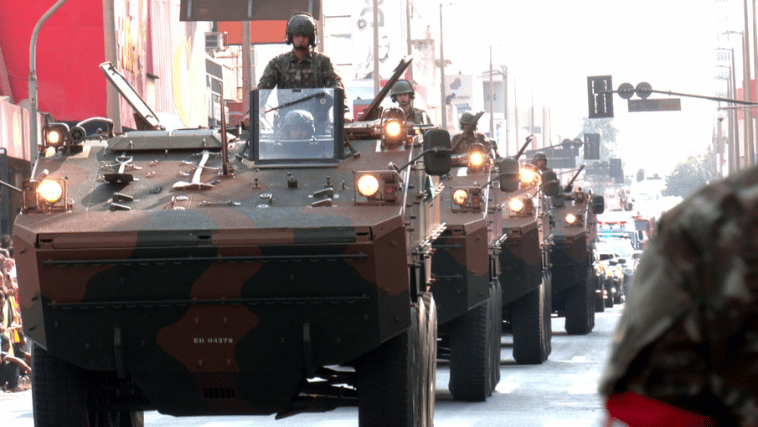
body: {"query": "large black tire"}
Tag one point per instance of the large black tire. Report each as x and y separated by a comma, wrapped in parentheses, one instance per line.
(617, 295)
(580, 308)
(548, 313)
(59, 395)
(609, 300)
(497, 322)
(396, 381)
(531, 334)
(600, 300)
(64, 395)
(471, 343)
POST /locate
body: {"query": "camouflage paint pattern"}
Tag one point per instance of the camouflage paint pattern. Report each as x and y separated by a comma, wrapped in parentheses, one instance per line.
(461, 262)
(570, 252)
(219, 300)
(523, 253)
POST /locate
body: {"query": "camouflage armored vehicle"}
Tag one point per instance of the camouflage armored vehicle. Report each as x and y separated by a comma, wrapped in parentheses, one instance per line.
(524, 267)
(192, 273)
(574, 235)
(464, 268)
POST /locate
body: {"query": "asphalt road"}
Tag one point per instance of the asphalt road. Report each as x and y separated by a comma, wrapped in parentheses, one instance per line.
(559, 392)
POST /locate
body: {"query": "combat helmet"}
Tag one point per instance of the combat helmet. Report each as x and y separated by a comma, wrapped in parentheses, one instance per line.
(299, 120)
(401, 86)
(538, 156)
(301, 23)
(470, 119)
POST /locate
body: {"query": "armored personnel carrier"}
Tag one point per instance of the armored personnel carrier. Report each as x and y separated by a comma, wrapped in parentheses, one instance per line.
(193, 273)
(464, 267)
(574, 235)
(524, 266)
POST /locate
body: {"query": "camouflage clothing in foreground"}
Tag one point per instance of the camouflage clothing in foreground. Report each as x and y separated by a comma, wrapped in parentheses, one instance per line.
(689, 333)
(287, 72)
(462, 141)
(419, 117)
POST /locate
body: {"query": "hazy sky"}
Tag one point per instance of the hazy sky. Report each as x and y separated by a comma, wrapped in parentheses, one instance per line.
(551, 46)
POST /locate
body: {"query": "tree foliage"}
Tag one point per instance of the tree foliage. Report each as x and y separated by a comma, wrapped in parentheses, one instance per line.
(689, 176)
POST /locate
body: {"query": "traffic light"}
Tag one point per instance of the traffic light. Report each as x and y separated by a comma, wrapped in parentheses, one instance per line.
(600, 93)
(617, 173)
(592, 146)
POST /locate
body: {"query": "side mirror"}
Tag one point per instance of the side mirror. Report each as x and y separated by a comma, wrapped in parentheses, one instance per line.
(437, 156)
(613, 262)
(637, 254)
(509, 175)
(550, 184)
(622, 261)
(598, 204)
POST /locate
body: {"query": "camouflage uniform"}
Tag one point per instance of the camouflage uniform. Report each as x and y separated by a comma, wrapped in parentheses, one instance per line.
(461, 142)
(287, 72)
(689, 334)
(419, 117)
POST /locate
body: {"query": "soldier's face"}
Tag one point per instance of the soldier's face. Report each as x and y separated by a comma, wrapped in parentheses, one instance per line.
(298, 133)
(300, 41)
(404, 99)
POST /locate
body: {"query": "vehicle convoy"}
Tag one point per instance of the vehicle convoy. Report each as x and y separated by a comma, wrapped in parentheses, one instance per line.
(466, 287)
(193, 273)
(574, 235)
(524, 266)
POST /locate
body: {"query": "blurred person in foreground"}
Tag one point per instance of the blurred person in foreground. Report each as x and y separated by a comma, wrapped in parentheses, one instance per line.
(686, 349)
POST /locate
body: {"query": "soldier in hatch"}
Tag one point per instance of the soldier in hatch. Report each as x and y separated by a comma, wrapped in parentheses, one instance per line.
(302, 67)
(298, 124)
(403, 93)
(462, 141)
(539, 160)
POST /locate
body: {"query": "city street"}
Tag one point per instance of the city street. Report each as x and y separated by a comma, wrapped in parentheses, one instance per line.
(560, 392)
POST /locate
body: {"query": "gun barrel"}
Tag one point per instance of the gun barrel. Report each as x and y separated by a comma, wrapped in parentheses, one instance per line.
(523, 147)
(370, 111)
(576, 175)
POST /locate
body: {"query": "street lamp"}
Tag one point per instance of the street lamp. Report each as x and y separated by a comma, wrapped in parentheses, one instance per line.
(33, 83)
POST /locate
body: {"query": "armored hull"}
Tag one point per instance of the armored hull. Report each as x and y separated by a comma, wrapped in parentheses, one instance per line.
(232, 292)
(465, 286)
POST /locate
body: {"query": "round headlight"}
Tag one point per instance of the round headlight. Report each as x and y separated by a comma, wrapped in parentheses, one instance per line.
(393, 128)
(54, 138)
(571, 218)
(460, 196)
(50, 190)
(368, 185)
(516, 205)
(527, 176)
(476, 159)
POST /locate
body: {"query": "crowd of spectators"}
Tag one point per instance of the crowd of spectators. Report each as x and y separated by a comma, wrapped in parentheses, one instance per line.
(15, 358)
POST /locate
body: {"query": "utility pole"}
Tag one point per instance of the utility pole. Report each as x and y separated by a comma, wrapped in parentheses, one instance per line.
(443, 107)
(247, 75)
(505, 109)
(376, 47)
(746, 90)
(492, 101)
